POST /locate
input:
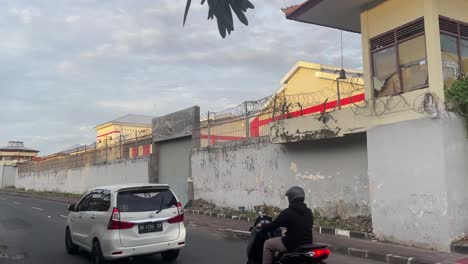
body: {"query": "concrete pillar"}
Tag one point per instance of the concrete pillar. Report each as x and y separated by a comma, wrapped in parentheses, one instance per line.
(434, 57)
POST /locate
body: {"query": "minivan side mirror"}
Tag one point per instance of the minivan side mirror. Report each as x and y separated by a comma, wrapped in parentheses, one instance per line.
(71, 207)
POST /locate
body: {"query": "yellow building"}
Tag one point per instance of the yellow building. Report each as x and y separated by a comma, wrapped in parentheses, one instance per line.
(306, 89)
(410, 48)
(310, 88)
(128, 127)
(15, 152)
(416, 150)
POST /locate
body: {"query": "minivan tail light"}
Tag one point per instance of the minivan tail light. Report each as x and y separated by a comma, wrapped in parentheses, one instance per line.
(115, 223)
(180, 215)
(177, 219)
(179, 208)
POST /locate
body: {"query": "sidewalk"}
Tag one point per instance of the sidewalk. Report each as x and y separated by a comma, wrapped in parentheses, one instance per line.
(371, 249)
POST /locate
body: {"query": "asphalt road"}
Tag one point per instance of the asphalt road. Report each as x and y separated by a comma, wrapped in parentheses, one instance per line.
(32, 231)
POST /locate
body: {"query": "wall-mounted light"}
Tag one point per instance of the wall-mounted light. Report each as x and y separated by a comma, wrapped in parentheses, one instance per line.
(342, 75)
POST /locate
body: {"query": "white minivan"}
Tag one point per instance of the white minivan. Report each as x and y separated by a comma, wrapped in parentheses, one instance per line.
(121, 221)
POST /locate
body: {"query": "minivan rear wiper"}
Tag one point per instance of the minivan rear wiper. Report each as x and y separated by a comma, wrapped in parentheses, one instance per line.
(161, 205)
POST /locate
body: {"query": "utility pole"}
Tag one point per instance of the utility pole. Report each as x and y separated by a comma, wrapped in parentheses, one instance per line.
(209, 130)
(136, 144)
(120, 141)
(338, 103)
(247, 123)
(106, 148)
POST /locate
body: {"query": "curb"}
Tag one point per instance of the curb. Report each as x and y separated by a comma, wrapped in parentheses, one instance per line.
(37, 197)
(353, 252)
(459, 248)
(317, 229)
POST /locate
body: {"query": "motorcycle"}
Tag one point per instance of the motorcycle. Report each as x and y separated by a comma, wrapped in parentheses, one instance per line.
(305, 254)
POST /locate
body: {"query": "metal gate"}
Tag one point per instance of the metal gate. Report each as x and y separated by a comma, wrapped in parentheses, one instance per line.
(174, 165)
(174, 136)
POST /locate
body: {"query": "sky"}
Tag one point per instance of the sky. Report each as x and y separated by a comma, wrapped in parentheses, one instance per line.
(70, 65)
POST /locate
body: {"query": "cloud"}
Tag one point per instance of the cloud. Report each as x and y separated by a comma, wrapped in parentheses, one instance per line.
(64, 74)
(64, 66)
(72, 19)
(25, 15)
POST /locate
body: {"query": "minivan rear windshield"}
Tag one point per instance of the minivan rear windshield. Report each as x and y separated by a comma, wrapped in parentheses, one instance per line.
(145, 200)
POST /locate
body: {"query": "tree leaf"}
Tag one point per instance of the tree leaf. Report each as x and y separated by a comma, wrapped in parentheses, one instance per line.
(187, 7)
(237, 8)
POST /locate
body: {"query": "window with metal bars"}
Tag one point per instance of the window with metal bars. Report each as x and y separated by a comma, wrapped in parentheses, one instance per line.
(399, 61)
(454, 47)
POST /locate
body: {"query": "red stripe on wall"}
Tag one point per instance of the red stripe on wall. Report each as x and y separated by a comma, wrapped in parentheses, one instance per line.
(256, 123)
(112, 132)
(146, 150)
(133, 152)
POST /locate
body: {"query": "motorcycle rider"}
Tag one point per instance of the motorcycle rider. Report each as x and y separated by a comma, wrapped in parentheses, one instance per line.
(297, 219)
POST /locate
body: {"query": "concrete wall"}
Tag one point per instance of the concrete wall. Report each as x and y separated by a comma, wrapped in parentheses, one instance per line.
(418, 180)
(333, 173)
(7, 175)
(456, 172)
(81, 179)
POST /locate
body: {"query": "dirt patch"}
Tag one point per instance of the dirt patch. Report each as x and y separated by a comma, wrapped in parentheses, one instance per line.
(206, 206)
(462, 241)
(360, 223)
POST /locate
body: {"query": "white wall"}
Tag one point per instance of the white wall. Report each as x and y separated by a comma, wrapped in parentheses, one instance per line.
(333, 172)
(7, 175)
(418, 177)
(79, 180)
(456, 172)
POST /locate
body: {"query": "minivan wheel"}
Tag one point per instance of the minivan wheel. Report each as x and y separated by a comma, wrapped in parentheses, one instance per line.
(69, 246)
(170, 255)
(96, 254)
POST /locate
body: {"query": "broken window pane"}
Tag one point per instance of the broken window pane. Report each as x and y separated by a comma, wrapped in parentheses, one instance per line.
(465, 55)
(386, 80)
(450, 63)
(413, 63)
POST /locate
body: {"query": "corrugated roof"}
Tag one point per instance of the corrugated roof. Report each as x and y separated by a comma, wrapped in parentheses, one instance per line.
(18, 148)
(77, 147)
(135, 119)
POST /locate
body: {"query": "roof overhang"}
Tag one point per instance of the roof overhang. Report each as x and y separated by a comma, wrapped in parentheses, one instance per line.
(20, 150)
(340, 14)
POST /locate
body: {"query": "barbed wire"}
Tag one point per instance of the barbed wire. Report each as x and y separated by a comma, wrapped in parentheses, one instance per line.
(285, 103)
(85, 157)
(427, 103)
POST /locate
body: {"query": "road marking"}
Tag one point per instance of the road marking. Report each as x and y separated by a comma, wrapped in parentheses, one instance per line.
(3, 199)
(37, 208)
(17, 203)
(64, 216)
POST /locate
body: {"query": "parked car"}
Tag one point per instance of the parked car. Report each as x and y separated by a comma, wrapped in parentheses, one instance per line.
(121, 221)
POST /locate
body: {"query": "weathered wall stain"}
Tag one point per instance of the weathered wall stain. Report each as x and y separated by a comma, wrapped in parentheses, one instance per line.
(418, 182)
(82, 179)
(333, 172)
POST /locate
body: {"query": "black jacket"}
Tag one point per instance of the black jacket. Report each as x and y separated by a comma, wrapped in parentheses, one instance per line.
(298, 219)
